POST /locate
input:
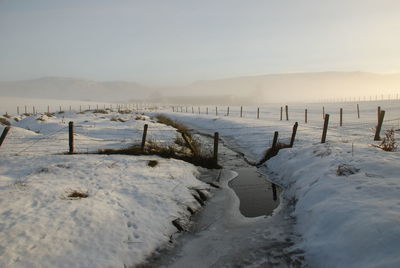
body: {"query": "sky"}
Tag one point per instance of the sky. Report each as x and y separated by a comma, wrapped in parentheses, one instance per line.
(176, 42)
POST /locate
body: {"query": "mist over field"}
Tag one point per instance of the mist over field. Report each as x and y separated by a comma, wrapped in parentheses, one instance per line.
(271, 88)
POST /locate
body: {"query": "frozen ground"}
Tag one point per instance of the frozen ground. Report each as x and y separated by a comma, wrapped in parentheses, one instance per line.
(130, 206)
(344, 221)
(352, 220)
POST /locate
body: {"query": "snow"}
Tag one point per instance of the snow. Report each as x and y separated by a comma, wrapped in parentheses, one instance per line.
(343, 221)
(130, 206)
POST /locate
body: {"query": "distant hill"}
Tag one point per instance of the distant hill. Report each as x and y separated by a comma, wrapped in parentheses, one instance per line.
(300, 86)
(246, 90)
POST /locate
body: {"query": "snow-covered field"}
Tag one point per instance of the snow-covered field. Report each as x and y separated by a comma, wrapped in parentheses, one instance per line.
(130, 206)
(344, 221)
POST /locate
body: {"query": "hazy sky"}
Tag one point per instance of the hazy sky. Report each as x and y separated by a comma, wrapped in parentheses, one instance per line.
(176, 42)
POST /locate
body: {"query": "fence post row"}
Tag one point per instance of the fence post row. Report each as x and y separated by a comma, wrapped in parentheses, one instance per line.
(71, 137)
(379, 126)
(216, 139)
(293, 134)
(4, 134)
(144, 137)
(324, 131)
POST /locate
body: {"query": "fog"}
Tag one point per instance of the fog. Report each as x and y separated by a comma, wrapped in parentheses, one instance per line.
(295, 87)
(199, 51)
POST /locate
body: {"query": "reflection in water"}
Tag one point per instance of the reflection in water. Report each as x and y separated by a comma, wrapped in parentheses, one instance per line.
(257, 195)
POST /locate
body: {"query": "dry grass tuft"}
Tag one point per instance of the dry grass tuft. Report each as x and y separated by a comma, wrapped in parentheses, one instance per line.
(76, 194)
(4, 121)
(273, 151)
(127, 111)
(388, 143)
(100, 111)
(49, 114)
(152, 163)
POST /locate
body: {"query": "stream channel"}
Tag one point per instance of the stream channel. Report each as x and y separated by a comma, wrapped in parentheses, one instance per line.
(237, 228)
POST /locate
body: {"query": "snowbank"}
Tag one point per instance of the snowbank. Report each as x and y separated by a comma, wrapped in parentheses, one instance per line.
(126, 216)
(345, 219)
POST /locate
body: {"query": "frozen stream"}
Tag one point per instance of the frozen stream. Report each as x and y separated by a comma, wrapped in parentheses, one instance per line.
(222, 237)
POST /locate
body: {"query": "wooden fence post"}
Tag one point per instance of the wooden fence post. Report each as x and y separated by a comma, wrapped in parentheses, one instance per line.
(199, 110)
(17, 110)
(258, 112)
(323, 112)
(192, 110)
(324, 131)
(287, 112)
(281, 113)
(4, 134)
(341, 116)
(33, 110)
(71, 137)
(379, 112)
(173, 109)
(227, 111)
(216, 110)
(379, 126)
(275, 140)
(216, 139)
(207, 110)
(144, 137)
(293, 134)
(241, 111)
(305, 116)
(358, 111)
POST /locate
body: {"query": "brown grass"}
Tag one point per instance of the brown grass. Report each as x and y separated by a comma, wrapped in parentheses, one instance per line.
(272, 151)
(100, 111)
(125, 111)
(153, 148)
(388, 143)
(4, 121)
(152, 163)
(77, 194)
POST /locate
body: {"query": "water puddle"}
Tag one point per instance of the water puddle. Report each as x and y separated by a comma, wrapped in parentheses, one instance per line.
(257, 195)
